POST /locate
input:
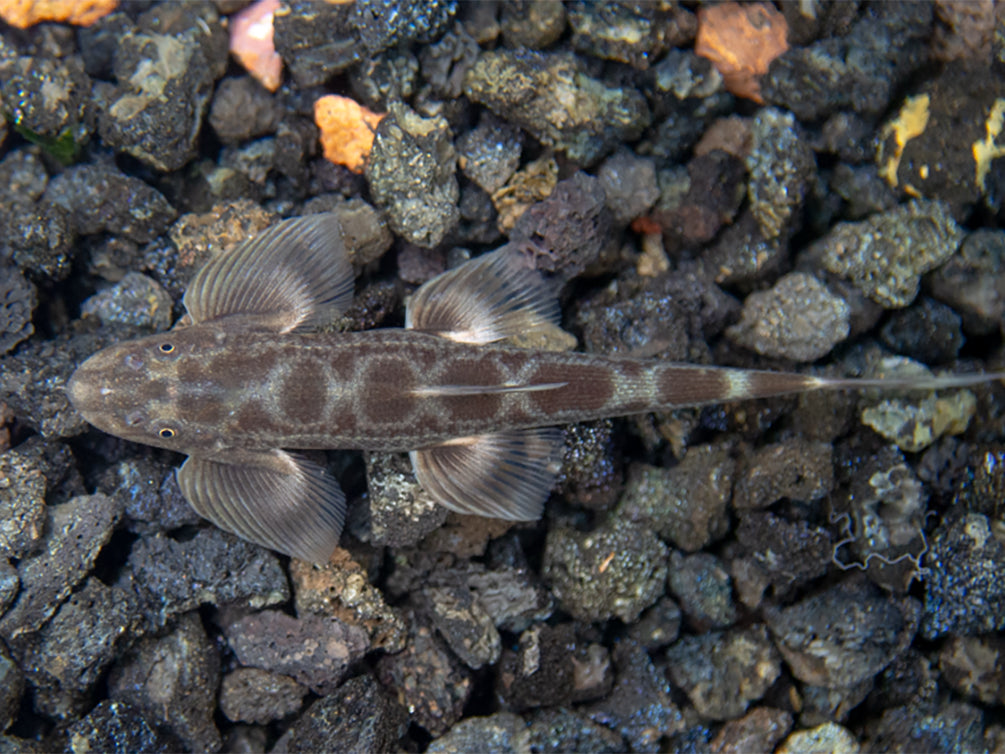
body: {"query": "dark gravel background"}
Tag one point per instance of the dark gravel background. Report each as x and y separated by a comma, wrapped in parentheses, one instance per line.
(811, 573)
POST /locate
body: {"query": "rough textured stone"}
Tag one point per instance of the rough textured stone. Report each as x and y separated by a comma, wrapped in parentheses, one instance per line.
(964, 592)
(687, 504)
(76, 532)
(639, 706)
(315, 651)
(212, 567)
(67, 657)
(117, 728)
(885, 255)
(616, 571)
(798, 319)
(252, 695)
(341, 588)
(357, 718)
(411, 172)
(723, 672)
(554, 100)
(844, 635)
(427, 680)
(173, 680)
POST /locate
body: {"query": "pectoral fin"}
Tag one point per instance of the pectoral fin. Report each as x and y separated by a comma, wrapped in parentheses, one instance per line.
(505, 475)
(271, 498)
(295, 274)
(487, 299)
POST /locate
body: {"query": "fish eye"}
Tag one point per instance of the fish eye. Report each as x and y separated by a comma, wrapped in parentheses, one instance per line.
(166, 347)
(166, 433)
(133, 361)
(134, 418)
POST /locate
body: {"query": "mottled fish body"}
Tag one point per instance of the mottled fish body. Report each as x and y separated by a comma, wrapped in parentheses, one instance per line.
(243, 378)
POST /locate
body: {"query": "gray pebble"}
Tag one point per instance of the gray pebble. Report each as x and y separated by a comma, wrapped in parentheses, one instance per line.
(550, 97)
(703, 588)
(212, 567)
(794, 469)
(242, 109)
(411, 172)
(464, 624)
(316, 651)
(75, 533)
(798, 319)
(723, 672)
(556, 730)
(253, 695)
(615, 571)
(954, 726)
(639, 707)
(629, 184)
(10, 583)
(822, 704)
(929, 332)
(779, 554)
(973, 667)
(17, 303)
(490, 153)
(357, 718)
(22, 176)
(658, 626)
(636, 36)
(48, 98)
(137, 301)
(173, 679)
(552, 666)
(22, 505)
(316, 41)
(973, 281)
(401, 512)
(67, 657)
(511, 597)
(759, 730)
(117, 728)
(531, 24)
(781, 167)
(886, 254)
(101, 198)
(164, 87)
(828, 736)
(964, 591)
(845, 634)
(687, 505)
(437, 702)
(502, 732)
(41, 239)
(11, 688)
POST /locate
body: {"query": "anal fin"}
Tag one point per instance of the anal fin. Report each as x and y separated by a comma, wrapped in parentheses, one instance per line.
(271, 498)
(506, 475)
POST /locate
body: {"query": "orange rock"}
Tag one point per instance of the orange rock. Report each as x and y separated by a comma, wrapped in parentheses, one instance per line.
(741, 41)
(347, 130)
(25, 13)
(251, 43)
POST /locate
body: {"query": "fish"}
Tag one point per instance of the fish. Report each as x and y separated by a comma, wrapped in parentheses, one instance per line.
(247, 378)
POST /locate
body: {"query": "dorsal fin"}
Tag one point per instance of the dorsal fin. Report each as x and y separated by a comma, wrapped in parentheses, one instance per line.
(484, 300)
(294, 275)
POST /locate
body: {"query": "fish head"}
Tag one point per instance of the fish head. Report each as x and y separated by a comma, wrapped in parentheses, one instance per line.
(135, 390)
